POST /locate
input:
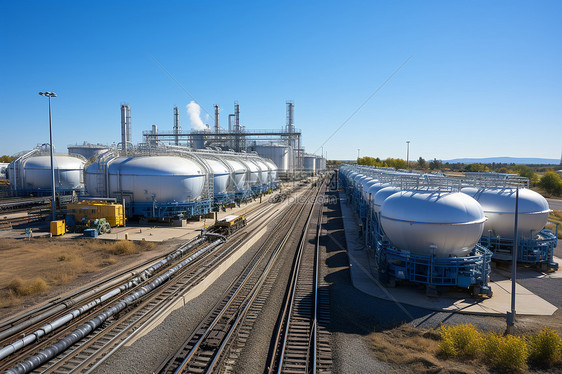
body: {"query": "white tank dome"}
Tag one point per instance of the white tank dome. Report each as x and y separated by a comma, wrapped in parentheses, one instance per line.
(162, 178)
(499, 206)
(381, 196)
(239, 172)
(442, 224)
(221, 174)
(376, 187)
(69, 172)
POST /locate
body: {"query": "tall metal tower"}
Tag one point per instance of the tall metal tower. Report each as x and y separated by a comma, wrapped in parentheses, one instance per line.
(217, 122)
(177, 127)
(126, 138)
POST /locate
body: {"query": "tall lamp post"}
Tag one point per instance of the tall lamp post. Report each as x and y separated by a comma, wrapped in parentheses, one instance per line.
(407, 153)
(53, 202)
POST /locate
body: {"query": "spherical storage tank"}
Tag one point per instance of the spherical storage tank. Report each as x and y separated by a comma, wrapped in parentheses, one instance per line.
(432, 223)
(148, 178)
(499, 206)
(36, 173)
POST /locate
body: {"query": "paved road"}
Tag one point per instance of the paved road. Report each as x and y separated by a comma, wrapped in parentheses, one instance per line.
(555, 204)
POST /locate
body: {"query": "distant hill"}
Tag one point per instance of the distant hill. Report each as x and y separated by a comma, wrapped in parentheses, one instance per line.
(505, 160)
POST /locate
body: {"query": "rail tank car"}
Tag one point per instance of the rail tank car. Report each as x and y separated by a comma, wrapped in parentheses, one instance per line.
(433, 223)
(499, 206)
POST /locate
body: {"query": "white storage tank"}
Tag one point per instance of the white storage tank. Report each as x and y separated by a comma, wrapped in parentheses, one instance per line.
(279, 154)
(499, 206)
(221, 174)
(272, 170)
(309, 163)
(148, 178)
(239, 172)
(380, 196)
(35, 173)
(433, 223)
(254, 172)
(264, 170)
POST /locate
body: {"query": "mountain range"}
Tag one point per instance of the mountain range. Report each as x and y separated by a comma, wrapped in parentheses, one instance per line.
(506, 160)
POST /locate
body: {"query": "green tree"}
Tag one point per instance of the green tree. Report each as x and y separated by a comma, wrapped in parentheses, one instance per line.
(6, 159)
(525, 171)
(422, 164)
(477, 168)
(551, 183)
(435, 164)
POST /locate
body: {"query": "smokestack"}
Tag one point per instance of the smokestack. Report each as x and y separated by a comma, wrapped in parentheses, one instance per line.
(236, 117)
(230, 122)
(125, 127)
(217, 126)
(177, 127)
(290, 116)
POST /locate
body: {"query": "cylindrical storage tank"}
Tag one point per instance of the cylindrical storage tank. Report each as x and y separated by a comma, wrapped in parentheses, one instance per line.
(309, 163)
(433, 223)
(366, 184)
(380, 196)
(499, 206)
(254, 172)
(221, 174)
(264, 170)
(157, 178)
(373, 189)
(239, 173)
(279, 154)
(36, 172)
(272, 170)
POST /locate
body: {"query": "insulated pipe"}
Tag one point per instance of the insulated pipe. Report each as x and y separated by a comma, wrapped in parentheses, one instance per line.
(49, 327)
(52, 351)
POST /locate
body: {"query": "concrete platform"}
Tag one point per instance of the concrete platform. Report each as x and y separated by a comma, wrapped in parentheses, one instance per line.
(527, 303)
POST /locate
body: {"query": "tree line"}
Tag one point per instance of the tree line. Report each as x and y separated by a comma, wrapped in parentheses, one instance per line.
(550, 181)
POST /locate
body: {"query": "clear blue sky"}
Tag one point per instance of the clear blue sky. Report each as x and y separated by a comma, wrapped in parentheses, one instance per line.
(484, 80)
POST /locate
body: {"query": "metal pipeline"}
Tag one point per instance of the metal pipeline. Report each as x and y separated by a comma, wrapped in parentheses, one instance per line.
(52, 351)
(49, 327)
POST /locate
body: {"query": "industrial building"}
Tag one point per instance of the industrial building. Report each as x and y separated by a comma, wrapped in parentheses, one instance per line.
(283, 146)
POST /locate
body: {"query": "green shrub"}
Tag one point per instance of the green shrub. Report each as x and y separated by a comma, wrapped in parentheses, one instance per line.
(545, 348)
(460, 340)
(506, 353)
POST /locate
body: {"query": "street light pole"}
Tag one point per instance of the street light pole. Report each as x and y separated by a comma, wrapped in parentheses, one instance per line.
(53, 202)
(407, 154)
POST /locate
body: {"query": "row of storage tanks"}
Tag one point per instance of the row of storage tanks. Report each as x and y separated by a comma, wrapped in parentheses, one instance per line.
(426, 219)
(165, 177)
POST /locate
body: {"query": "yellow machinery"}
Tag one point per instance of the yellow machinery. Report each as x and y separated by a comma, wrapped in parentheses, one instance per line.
(58, 228)
(95, 209)
(231, 223)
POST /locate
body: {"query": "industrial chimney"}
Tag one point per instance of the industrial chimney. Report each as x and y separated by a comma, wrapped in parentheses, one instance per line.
(177, 127)
(290, 116)
(217, 126)
(126, 138)
(237, 127)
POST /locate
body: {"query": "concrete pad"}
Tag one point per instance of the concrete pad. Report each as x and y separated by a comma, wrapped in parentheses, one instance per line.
(527, 303)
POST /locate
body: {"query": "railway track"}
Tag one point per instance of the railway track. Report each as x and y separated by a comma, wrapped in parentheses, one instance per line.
(302, 342)
(216, 343)
(91, 350)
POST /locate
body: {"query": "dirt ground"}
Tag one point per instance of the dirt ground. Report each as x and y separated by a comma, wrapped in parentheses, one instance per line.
(37, 270)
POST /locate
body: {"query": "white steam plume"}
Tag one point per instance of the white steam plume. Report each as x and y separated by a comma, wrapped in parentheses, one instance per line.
(194, 111)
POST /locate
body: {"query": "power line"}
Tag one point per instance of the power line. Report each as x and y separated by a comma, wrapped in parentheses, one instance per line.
(365, 102)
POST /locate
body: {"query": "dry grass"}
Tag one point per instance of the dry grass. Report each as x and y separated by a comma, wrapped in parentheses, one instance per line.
(27, 287)
(56, 261)
(416, 349)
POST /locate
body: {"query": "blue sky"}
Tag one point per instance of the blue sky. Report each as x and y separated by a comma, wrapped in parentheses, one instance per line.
(484, 78)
